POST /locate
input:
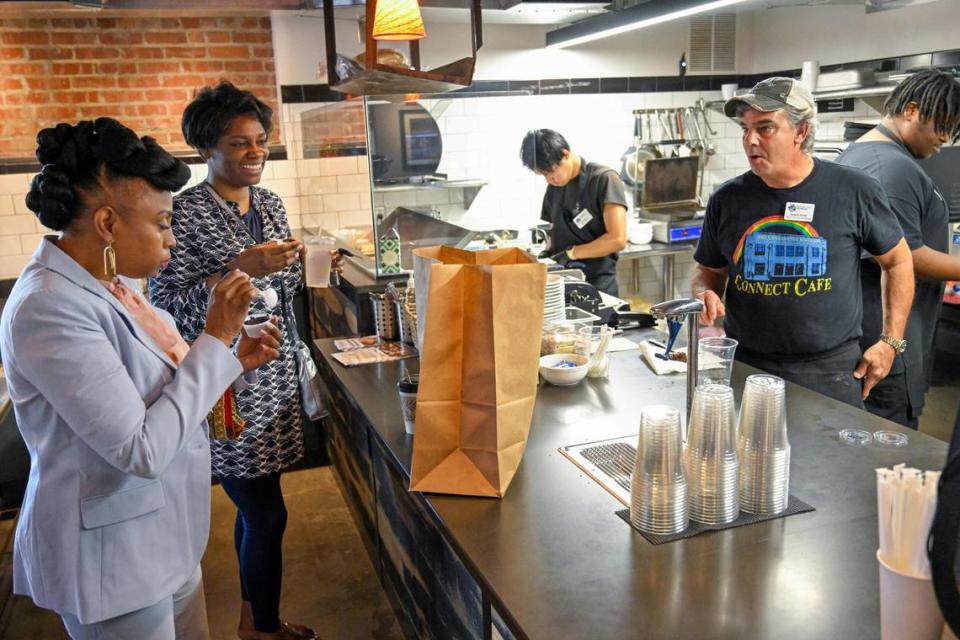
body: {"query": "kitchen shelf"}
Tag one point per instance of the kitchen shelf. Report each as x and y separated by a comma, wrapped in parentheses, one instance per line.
(470, 188)
(438, 184)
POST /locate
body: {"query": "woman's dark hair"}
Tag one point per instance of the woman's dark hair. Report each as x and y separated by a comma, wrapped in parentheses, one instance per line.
(209, 115)
(74, 155)
(937, 96)
(542, 149)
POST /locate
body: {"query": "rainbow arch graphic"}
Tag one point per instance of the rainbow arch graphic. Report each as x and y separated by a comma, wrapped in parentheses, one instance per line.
(772, 221)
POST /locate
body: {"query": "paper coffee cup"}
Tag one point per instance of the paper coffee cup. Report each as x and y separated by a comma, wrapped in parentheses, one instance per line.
(407, 390)
(253, 325)
(908, 606)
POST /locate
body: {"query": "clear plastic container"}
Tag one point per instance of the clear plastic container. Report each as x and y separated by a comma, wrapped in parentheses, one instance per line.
(576, 315)
(563, 338)
(890, 438)
(856, 437)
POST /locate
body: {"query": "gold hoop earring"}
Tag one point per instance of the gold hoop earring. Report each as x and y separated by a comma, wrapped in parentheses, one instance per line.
(110, 262)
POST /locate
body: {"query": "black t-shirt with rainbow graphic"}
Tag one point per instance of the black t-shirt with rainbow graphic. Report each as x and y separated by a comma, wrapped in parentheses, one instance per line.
(793, 285)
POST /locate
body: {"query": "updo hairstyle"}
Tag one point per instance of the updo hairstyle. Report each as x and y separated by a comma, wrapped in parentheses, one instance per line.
(72, 157)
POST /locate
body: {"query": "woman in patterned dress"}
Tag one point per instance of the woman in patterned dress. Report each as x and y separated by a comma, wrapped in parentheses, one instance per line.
(227, 222)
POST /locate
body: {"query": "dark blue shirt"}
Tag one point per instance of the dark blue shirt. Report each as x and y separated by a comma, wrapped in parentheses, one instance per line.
(923, 215)
(793, 287)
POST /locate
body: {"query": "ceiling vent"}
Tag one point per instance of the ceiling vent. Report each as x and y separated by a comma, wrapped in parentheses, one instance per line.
(713, 43)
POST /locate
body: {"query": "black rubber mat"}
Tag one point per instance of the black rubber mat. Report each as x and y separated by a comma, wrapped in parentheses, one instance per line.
(795, 506)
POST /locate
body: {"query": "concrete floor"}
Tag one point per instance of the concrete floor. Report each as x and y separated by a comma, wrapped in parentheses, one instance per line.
(329, 583)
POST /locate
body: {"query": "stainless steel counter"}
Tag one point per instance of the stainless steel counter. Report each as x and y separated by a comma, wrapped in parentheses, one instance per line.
(554, 561)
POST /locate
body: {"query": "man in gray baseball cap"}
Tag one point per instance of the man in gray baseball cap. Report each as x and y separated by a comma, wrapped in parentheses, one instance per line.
(779, 256)
(773, 94)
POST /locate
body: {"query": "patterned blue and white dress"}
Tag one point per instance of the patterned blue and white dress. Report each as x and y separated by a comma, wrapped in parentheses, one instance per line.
(207, 239)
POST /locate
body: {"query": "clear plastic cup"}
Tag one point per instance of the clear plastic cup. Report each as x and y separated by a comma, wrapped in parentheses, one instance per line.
(763, 450)
(318, 260)
(598, 340)
(710, 458)
(715, 361)
(658, 489)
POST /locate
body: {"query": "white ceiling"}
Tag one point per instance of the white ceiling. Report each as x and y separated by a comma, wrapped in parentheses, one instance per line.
(558, 13)
(524, 13)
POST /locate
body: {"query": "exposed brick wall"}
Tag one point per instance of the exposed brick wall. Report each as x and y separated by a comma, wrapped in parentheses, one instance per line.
(142, 71)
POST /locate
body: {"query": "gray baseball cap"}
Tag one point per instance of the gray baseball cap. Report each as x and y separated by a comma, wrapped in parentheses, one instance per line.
(773, 94)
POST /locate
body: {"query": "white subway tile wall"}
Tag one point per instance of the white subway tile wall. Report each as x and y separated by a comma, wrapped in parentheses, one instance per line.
(481, 140)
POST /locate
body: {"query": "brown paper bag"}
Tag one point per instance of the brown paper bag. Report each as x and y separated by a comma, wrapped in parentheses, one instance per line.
(478, 369)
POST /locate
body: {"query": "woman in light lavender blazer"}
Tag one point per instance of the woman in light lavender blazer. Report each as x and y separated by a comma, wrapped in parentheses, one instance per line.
(109, 398)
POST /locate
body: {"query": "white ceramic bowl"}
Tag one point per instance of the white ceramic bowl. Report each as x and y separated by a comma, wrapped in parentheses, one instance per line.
(640, 232)
(564, 376)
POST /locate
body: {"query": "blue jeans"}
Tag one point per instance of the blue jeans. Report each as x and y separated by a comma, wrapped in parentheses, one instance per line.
(258, 537)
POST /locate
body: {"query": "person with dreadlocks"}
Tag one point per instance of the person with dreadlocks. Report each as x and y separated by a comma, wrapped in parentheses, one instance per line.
(920, 115)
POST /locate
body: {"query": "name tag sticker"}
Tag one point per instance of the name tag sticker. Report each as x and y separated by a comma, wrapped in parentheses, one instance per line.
(799, 212)
(583, 219)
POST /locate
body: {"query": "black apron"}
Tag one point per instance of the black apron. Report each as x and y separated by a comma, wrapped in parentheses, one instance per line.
(829, 373)
(600, 272)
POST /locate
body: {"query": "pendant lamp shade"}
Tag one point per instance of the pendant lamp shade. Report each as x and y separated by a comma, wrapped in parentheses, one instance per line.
(398, 20)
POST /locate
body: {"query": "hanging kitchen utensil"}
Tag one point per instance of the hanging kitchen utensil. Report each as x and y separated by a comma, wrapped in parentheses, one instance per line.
(634, 159)
(675, 135)
(650, 145)
(635, 167)
(694, 139)
(650, 139)
(708, 147)
(668, 135)
(701, 107)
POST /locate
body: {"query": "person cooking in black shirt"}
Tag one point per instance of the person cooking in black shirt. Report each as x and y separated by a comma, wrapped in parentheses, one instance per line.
(586, 204)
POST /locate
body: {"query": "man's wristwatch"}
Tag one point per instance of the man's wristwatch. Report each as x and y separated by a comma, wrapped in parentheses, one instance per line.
(899, 344)
(569, 252)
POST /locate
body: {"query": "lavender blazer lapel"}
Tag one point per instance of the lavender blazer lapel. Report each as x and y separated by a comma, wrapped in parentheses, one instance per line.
(59, 262)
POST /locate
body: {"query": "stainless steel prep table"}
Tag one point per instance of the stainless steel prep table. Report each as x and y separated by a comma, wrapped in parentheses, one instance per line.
(668, 252)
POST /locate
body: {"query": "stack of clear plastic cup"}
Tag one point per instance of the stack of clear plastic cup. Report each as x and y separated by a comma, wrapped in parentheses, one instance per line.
(658, 489)
(763, 449)
(710, 459)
